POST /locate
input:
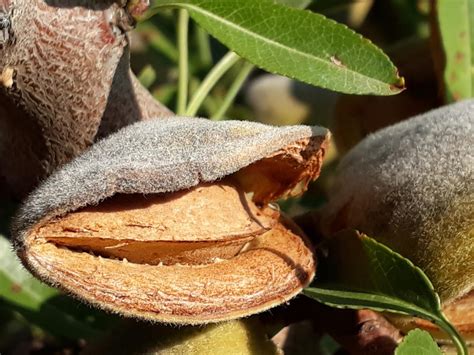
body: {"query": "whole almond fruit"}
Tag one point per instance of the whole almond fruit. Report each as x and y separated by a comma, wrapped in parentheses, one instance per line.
(170, 220)
(411, 186)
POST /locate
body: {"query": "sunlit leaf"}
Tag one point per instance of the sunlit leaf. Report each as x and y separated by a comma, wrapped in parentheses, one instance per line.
(418, 342)
(456, 23)
(362, 273)
(296, 43)
(299, 4)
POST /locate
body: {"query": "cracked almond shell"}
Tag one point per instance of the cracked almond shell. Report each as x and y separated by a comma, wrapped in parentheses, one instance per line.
(164, 221)
(210, 221)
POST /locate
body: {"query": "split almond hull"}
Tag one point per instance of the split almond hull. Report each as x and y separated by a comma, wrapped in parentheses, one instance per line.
(274, 268)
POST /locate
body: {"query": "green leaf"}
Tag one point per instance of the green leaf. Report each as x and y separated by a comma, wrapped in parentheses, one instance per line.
(362, 273)
(418, 342)
(456, 23)
(45, 306)
(299, 4)
(296, 43)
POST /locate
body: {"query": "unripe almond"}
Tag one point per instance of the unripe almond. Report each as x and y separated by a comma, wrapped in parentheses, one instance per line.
(411, 186)
(243, 337)
(156, 221)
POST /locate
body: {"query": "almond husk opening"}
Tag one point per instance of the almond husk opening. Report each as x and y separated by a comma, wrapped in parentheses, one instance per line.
(285, 173)
(196, 226)
(206, 254)
(271, 269)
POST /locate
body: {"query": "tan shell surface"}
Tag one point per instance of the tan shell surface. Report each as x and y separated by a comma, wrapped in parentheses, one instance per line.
(286, 172)
(461, 314)
(206, 222)
(272, 269)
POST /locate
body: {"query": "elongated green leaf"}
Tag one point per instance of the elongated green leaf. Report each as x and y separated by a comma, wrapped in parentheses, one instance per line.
(456, 23)
(43, 305)
(336, 296)
(299, 4)
(418, 342)
(296, 43)
(362, 273)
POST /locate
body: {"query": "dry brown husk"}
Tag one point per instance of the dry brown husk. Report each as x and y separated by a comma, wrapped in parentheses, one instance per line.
(210, 252)
(65, 81)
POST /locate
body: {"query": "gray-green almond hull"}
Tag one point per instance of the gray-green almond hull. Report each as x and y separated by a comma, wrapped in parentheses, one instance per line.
(411, 186)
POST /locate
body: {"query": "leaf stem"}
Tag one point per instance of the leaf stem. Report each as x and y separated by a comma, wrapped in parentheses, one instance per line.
(183, 26)
(233, 90)
(210, 81)
(457, 339)
(204, 47)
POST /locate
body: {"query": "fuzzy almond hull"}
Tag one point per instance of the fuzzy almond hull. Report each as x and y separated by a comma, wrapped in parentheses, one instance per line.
(167, 157)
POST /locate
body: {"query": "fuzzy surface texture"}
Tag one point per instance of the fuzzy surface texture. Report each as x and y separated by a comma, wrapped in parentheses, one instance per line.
(411, 186)
(156, 156)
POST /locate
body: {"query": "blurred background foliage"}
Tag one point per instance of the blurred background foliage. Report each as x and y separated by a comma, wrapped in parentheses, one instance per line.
(36, 319)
